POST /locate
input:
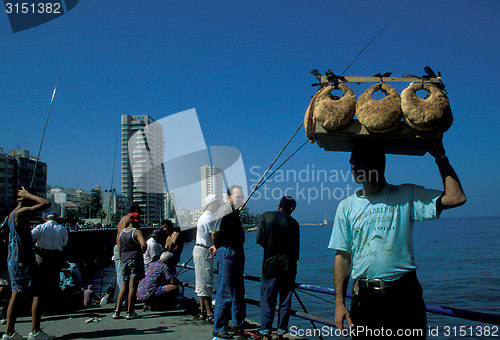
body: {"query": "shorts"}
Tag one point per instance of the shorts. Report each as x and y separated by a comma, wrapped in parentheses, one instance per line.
(30, 282)
(132, 269)
(4, 276)
(204, 268)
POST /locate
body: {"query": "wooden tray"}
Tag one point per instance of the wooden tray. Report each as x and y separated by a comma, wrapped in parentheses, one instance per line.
(403, 140)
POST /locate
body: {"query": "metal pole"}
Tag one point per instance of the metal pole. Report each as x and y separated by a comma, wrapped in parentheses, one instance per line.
(184, 266)
(305, 311)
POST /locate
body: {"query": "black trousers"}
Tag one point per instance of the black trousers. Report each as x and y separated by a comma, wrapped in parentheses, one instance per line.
(395, 312)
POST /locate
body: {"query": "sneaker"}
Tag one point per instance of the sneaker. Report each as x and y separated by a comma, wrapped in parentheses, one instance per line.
(14, 335)
(131, 316)
(116, 315)
(40, 336)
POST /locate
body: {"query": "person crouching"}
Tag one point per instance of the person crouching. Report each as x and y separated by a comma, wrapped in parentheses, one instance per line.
(160, 286)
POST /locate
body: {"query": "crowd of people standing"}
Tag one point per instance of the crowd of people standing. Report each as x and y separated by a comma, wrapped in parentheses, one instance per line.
(386, 291)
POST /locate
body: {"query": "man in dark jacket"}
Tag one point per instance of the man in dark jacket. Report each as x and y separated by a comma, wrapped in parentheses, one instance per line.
(279, 235)
(229, 238)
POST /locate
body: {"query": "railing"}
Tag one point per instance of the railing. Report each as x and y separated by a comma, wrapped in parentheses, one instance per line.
(436, 309)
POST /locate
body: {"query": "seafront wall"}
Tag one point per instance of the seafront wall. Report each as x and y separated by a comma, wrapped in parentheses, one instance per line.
(96, 245)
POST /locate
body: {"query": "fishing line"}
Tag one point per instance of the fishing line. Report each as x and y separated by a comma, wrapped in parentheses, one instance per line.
(318, 297)
(270, 166)
(376, 35)
(286, 160)
(259, 183)
(46, 122)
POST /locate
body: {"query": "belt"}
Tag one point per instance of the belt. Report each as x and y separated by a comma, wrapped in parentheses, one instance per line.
(376, 284)
(202, 245)
(379, 284)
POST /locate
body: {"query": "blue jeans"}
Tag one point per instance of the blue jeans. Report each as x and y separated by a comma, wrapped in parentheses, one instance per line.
(230, 298)
(269, 290)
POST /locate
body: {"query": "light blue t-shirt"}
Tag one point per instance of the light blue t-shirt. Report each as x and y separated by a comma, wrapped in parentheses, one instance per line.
(378, 229)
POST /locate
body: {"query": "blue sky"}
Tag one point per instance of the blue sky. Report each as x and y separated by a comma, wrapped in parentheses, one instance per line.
(244, 67)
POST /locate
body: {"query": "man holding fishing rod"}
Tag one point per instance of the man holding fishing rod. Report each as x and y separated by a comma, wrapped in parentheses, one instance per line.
(229, 238)
(372, 235)
(23, 270)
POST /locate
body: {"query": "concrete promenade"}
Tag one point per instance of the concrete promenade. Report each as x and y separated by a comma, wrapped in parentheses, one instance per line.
(97, 323)
(175, 324)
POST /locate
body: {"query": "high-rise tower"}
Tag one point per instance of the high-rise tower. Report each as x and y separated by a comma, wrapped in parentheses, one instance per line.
(211, 182)
(142, 177)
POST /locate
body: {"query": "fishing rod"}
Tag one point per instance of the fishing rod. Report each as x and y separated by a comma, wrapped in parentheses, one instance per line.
(286, 160)
(46, 122)
(259, 184)
(376, 35)
(270, 166)
(183, 266)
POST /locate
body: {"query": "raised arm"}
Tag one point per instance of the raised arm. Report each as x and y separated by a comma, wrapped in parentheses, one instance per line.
(453, 195)
(22, 215)
(340, 279)
(40, 203)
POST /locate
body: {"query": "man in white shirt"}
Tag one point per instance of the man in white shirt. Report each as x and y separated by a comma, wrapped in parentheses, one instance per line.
(49, 239)
(50, 235)
(203, 257)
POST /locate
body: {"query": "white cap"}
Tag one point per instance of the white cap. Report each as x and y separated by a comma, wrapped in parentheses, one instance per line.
(209, 199)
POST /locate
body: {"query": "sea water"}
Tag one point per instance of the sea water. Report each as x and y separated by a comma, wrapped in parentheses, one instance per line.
(458, 260)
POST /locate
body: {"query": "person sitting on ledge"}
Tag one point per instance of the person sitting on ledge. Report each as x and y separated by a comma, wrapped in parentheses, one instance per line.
(160, 286)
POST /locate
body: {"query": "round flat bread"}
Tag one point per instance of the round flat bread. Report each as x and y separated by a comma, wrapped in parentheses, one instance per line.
(332, 113)
(429, 113)
(379, 115)
(309, 122)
